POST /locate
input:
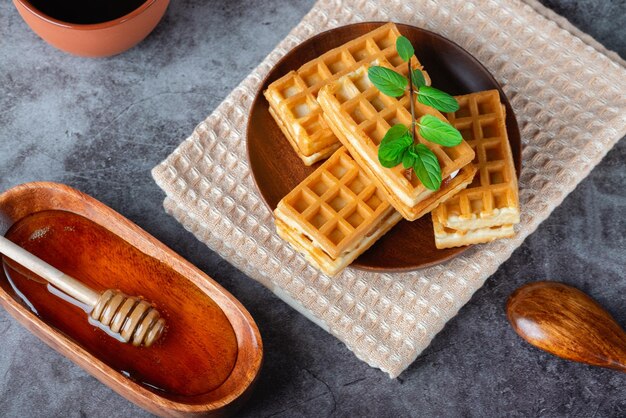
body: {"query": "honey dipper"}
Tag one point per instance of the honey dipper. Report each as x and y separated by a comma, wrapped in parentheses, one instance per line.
(131, 319)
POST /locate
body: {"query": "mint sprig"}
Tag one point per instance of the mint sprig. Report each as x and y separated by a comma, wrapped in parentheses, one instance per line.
(398, 145)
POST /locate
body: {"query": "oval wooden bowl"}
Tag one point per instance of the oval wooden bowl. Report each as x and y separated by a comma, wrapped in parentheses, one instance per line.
(276, 169)
(109, 251)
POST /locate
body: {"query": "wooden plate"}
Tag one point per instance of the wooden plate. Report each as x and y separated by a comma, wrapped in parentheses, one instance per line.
(276, 168)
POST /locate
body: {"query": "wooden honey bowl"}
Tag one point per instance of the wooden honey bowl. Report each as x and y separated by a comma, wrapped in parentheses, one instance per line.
(211, 351)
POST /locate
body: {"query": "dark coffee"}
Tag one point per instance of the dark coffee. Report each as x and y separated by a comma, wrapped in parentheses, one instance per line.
(86, 11)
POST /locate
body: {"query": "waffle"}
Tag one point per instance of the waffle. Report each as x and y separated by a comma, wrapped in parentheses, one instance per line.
(489, 207)
(335, 214)
(293, 98)
(360, 115)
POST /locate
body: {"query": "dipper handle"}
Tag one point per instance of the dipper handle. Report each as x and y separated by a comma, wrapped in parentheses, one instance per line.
(566, 322)
(130, 319)
(54, 276)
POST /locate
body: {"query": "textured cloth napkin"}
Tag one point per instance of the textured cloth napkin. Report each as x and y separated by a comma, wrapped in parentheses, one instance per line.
(569, 96)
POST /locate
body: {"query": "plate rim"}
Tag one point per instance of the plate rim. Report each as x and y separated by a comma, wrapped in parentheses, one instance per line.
(510, 114)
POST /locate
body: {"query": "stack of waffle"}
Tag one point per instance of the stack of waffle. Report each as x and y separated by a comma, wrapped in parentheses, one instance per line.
(350, 201)
(489, 207)
(335, 214)
(293, 97)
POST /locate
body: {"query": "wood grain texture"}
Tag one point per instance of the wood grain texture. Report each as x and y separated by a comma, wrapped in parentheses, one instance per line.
(276, 169)
(113, 246)
(566, 322)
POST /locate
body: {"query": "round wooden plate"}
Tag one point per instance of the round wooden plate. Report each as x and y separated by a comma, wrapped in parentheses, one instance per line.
(276, 168)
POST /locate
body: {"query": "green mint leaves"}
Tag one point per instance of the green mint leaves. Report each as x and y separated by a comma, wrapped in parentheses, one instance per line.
(404, 48)
(426, 166)
(398, 146)
(392, 147)
(387, 81)
(418, 78)
(394, 84)
(435, 130)
(436, 98)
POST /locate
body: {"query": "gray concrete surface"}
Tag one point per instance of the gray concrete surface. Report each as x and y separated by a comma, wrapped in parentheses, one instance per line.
(101, 125)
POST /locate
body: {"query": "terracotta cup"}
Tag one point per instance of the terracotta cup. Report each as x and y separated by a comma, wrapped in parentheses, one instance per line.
(99, 39)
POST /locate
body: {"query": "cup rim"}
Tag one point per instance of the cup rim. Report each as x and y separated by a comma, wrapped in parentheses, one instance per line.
(86, 26)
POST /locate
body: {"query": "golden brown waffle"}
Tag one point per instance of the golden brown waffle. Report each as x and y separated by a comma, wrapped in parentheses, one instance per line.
(492, 198)
(360, 115)
(293, 98)
(335, 214)
(488, 208)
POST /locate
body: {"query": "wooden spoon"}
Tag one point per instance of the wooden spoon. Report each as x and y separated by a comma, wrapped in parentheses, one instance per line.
(568, 323)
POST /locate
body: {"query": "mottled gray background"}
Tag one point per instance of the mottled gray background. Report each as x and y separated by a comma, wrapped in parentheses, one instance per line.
(101, 125)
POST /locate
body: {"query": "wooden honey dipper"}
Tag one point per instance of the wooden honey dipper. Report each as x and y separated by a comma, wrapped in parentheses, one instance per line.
(130, 319)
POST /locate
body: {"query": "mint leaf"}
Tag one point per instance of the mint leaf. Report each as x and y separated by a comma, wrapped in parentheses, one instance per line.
(435, 130)
(426, 166)
(408, 159)
(404, 48)
(393, 145)
(438, 99)
(389, 163)
(387, 81)
(396, 131)
(418, 78)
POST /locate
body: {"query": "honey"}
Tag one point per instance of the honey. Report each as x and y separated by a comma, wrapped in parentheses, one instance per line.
(199, 348)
